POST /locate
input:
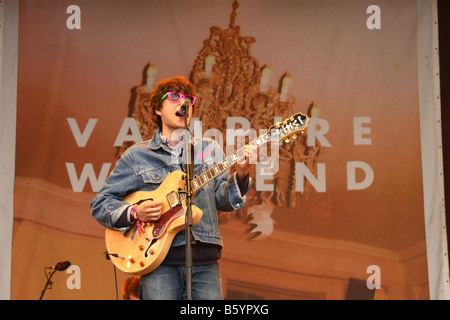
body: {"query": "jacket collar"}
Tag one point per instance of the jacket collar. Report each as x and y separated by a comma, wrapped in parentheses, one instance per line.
(155, 142)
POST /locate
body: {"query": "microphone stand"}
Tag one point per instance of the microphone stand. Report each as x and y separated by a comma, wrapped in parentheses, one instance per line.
(48, 283)
(189, 194)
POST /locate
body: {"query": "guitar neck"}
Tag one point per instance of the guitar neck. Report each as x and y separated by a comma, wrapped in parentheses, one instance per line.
(282, 130)
(217, 170)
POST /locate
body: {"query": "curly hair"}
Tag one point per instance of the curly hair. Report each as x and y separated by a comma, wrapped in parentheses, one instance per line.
(130, 288)
(176, 84)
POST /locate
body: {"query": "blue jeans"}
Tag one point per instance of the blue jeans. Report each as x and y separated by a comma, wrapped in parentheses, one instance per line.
(168, 283)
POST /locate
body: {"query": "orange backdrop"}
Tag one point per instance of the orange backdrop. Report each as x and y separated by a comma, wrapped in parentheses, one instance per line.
(347, 199)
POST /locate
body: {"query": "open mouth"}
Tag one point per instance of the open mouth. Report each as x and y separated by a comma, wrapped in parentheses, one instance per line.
(178, 114)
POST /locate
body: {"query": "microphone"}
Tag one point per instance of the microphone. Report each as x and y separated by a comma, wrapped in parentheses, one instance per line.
(182, 108)
(61, 266)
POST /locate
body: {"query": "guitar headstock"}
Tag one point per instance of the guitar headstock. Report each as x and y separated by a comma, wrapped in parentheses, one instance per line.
(289, 128)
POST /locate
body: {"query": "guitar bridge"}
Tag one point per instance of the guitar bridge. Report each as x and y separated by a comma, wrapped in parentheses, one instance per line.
(173, 199)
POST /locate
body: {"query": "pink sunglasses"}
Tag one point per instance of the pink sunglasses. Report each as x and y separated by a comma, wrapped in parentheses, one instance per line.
(176, 97)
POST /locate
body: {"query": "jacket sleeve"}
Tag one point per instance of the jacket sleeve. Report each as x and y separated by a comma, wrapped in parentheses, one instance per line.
(107, 207)
(229, 196)
(227, 192)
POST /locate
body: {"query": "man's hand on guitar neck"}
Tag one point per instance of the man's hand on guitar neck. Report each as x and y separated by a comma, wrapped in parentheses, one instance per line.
(251, 156)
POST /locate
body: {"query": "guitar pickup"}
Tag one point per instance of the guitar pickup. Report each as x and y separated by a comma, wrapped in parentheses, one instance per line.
(173, 199)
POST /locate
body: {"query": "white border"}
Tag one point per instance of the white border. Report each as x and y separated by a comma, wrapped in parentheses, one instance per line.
(9, 21)
(431, 142)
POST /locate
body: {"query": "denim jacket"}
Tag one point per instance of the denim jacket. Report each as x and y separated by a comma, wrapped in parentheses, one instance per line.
(145, 165)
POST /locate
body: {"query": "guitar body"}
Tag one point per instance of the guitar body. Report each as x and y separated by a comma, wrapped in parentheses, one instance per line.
(142, 249)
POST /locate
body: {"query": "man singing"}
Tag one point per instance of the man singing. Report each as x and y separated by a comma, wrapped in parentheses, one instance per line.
(144, 166)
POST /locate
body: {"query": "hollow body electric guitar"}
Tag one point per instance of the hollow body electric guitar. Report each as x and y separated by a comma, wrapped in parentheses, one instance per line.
(145, 245)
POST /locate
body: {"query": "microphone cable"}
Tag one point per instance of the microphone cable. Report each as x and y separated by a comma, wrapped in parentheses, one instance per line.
(107, 256)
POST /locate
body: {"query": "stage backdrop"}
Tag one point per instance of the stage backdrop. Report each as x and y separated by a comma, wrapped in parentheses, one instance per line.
(337, 213)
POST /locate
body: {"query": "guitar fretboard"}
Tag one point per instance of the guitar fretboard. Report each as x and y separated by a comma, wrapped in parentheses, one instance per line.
(280, 131)
(210, 174)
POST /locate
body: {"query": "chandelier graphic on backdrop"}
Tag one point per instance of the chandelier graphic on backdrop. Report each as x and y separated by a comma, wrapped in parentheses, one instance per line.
(231, 83)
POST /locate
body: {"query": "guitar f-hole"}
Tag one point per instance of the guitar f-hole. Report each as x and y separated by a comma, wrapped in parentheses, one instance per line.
(148, 248)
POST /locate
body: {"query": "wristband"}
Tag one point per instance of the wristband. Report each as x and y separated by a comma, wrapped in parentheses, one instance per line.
(134, 212)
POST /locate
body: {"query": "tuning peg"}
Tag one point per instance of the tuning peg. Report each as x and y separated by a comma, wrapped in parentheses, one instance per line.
(287, 140)
(294, 136)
